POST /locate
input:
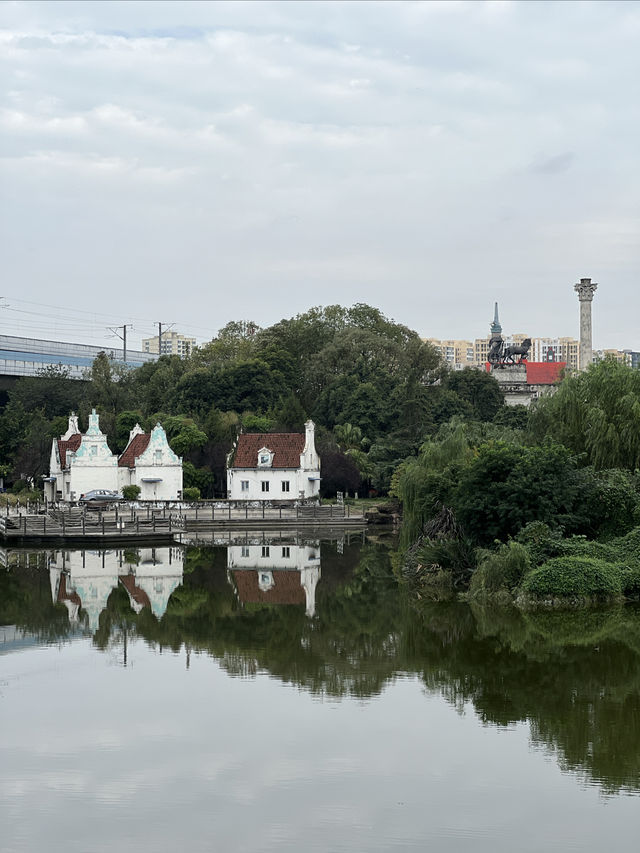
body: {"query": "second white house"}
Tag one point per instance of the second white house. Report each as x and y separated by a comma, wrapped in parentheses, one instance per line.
(274, 466)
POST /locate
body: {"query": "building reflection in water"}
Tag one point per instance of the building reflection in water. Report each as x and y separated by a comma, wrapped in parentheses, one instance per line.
(265, 570)
(84, 580)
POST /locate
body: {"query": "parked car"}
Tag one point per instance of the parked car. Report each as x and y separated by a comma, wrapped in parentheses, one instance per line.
(100, 499)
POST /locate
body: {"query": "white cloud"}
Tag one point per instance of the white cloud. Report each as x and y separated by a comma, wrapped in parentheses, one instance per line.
(413, 154)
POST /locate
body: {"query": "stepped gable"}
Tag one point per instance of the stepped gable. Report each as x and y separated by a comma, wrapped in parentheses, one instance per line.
(285, 446)
(286, 589)
(135, 448)
(544, 372)
(72, 443)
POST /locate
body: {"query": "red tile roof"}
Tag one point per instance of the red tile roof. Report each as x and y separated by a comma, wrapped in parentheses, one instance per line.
(544, 372)
(134, 449)
(285, 446)
(137, 594)
(72, 443)
(69, 596)
(286, 589)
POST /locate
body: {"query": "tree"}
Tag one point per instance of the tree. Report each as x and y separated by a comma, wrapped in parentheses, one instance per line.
(339, 473)
(597, 413)
(479, 389)
(349, 437)
(52, 391)
(183, 434)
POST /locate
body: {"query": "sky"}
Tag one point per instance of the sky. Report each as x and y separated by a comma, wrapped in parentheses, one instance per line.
(195, 163)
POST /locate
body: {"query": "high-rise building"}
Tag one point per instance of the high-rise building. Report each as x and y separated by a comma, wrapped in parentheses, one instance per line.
(457, 353)
(173, 343)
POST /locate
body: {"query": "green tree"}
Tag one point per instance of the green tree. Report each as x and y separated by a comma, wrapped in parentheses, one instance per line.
(597, 413)
(479, 389)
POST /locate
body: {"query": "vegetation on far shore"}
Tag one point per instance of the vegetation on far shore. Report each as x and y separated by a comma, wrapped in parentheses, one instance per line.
(474, 476)
(547, 512)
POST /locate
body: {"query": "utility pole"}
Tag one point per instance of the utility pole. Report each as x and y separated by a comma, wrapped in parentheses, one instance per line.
(160, 336)
(123, 337)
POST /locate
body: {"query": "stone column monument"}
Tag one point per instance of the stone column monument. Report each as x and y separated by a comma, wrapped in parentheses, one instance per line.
(585, 290)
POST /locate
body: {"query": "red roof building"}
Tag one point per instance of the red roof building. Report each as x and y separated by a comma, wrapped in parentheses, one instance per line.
(544, 372)
(285, 448)
(274, 466)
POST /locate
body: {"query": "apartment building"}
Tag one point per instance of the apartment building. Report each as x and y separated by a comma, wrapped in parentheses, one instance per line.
(457, 353)
(173, 343)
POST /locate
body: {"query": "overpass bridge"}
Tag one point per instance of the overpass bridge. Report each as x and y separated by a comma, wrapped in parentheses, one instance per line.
(27, 356)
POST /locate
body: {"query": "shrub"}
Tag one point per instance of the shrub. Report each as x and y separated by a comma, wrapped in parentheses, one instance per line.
(569, 577)
(131, 493)
(541, 541)
(631, 581)
(19, 486)
(456, 557)
(500, 570)
(192, 494)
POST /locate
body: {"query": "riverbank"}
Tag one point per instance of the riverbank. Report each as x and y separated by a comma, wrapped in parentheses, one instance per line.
(537, 569)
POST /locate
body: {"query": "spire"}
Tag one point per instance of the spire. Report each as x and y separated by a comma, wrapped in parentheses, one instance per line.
(496, 328)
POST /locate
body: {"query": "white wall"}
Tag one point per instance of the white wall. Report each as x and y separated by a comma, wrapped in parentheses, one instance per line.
(299, 484)
(158, 470)
(249, 556)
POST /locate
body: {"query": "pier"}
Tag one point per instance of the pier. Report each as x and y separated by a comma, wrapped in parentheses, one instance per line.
(161, 522)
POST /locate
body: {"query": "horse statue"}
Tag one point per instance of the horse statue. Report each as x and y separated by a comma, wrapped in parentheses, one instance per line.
(512, 354)
(522, 350)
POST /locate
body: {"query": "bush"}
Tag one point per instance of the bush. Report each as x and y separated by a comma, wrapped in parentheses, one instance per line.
(631, 581)
(131, 493)
(500, 570)
(192, 494)
(456, 557)
(19, 486)
(571, 577)
(541, 541)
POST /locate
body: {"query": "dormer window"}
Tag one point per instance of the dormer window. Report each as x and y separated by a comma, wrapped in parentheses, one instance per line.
(265, 458)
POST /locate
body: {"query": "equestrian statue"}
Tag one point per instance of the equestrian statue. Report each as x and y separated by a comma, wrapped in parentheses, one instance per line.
(499, 353)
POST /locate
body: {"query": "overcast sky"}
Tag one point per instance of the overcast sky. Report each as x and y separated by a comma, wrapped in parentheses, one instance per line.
(196, 163)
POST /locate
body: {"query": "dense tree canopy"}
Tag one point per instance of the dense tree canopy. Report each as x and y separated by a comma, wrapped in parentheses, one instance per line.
(351, 370)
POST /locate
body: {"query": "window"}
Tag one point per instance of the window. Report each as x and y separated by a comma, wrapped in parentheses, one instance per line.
(285, 485)
(265, 486)
(245, 550)
(265, 458)
(157, 457)
(265, 550)
(244, 485)
(286, 551)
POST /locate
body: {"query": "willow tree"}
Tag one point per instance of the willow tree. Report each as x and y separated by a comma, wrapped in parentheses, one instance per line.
(596, 413)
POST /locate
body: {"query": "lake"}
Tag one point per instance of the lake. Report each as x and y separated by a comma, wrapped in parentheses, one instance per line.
(279, 693)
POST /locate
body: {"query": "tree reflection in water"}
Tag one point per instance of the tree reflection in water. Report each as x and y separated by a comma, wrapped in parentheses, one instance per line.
(574, 677)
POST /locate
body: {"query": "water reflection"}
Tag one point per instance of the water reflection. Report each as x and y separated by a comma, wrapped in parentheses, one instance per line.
(275, 571)
(84, 580)
(264, 604)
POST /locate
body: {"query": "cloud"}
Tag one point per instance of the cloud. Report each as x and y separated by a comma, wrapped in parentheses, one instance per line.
(554, 165)
(248, 149)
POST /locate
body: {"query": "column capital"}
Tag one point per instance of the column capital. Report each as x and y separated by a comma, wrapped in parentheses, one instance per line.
(585, 289)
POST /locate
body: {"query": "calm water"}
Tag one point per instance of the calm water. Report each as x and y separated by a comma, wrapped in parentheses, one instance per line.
(283, 695)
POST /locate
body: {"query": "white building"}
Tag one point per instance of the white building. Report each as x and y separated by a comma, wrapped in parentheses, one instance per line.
(84, 580)
(274, 466)
(275, 572)
(83, 462)
(149, 463)
(80, 463)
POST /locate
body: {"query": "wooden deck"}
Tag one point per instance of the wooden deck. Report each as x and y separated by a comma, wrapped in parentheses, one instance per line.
(74, 525)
